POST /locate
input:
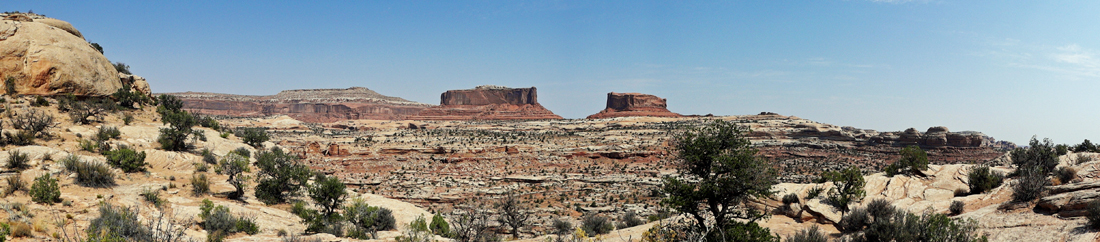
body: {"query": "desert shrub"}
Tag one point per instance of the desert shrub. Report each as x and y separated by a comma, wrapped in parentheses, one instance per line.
(1093, 214)
(127, 119)
(200, 184)
(242, 151)
(848, 188)
(152, 196)
(472, 224)
(417, 232)
(235, 166)
(122, 68)
(316, 222)
(1030, 184)
(40, 101)
(913, 160)
(18, 160)
(439, 226)
(1037, 155)
(88, 111)
(127, 98)
(208, 157)
(174, 137)
(890, 224)
(814, 192)
(1083, 158)
(15, 183)
(790, 198)
(880, 208)
(201, 167)
(88, 173)
(811, 234)
(119, 221)
(252, 136)
(855, 220)
(327, 192)
(97, 47)
(513, 213)
(1061, 149)
(281, 176)
(596, 224)
(20, 230)
(20, 138)
(9, 86)
(1066, 174)
(219, 219)
(367, 220)
(561, 227)
(34, 121)
(45, 190)
(126, 159)
(88, 145)
(209, 122)
(630, 219)
(1085, 146)
(957, 207)
(982, 179)
(107, 133)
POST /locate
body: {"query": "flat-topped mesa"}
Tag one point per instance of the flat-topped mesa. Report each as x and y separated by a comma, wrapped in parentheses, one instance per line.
(634, 104)
(309, 105)
(488, 103)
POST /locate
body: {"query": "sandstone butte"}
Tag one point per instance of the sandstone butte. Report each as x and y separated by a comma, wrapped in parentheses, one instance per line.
(47, 56)
(634, 104)
(309, 105)
(488, 103)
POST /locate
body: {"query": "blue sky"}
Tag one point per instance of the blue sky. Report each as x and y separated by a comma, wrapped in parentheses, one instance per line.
(1010, 69)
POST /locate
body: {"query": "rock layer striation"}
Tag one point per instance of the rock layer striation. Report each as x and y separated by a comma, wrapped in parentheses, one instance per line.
(634, 104)
(309, 105)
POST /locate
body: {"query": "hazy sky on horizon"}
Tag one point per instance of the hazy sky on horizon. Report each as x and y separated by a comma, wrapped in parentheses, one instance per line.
(1010, 69)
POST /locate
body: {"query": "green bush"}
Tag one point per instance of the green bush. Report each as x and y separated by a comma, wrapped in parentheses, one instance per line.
(913, 160)
(814, 192)
(45, 190)
(327, 192)
(439, 226)
(630, 219)
(127, 98)
(209, 122)
(887, 223)
(9, 86)
(1086, 146)
(208, 157)
(18, 160)
(1093, 214)
(811, 234)
(848, 188)
(252, 136)
(235, 166)
(561, 227)
(89, 174)
(854, 220)
(1041, 156)
(1066, 174)
(20, 138)
(982, 179)
(367, 220)
(127, 119)
(316, 222)
(957, 207)
(107, 133)
(219, 219)
(174, 138)
(152, 195)
(126, 159)
(242, 151)
(40, 101)
(119, 222)
(122, 68)
(1030, 183)
(790, 198)
(281, 176)
(200, 184)
(594, 224)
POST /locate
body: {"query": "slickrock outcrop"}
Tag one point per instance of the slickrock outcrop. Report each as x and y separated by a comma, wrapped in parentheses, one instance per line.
(49, 57)
(308, 105)
(488, 103)
(634, 104)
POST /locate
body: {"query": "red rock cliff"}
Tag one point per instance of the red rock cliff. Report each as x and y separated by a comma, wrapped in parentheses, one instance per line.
(634, 104)
(488, 103)
(309, 105)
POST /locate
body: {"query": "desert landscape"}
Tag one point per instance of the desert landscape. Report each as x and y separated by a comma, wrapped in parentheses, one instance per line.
(92, 152)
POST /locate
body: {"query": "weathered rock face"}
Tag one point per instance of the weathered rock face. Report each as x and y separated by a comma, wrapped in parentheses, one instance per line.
(50, 57)
(634, 104)
(310, 105)
(488, 103)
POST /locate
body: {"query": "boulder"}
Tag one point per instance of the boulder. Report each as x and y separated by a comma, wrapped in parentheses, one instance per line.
(49, 57)
(634, 104)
